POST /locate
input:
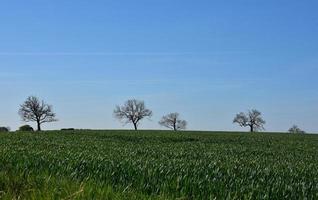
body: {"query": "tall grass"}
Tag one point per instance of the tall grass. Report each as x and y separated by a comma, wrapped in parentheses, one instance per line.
(157, 165)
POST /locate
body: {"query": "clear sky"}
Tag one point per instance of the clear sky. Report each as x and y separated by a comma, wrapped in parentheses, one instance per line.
(205, 59)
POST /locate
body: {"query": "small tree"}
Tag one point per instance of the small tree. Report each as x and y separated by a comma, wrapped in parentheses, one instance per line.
(5, 129)
(251, 119)
(34, 110)
(26, 128)
(173, 122)
(296, 130)
(133, 111)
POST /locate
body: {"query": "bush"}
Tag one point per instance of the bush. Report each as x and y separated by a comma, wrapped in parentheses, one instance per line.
(4, 129)
(26, 128)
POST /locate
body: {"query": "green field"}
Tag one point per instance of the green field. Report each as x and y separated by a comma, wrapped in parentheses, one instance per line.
(157, 165)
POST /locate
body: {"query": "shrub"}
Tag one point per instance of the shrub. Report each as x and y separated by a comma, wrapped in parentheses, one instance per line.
(4, 129)
(26, 128)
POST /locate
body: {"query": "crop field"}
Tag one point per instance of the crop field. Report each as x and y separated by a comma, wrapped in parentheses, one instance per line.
(157, 165)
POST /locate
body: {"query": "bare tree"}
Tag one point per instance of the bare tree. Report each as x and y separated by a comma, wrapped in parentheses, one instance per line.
(133, 111)
(173, 122)
(296, 130)
(251, 119)
(34, 110)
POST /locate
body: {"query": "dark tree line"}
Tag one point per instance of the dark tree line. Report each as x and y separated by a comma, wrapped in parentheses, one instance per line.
(133, 111)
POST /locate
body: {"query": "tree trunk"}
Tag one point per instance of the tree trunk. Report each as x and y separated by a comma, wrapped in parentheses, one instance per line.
(174, 127)
(39, 126)
(135, 126)
(252, 128)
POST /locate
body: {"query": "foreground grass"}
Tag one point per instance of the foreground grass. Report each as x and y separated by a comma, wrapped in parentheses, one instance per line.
(157, 165)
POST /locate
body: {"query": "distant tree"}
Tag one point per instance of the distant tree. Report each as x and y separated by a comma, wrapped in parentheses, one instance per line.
(296, 130)
(26, 128)
(34, 110)
(133, 111)
(173, 122)
(251, 119)
(4, 129)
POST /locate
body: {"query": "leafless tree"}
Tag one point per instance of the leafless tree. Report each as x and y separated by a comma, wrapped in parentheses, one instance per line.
(34, 110)
(295, 129)
(133, 111)
(173, 122)
(251, 119)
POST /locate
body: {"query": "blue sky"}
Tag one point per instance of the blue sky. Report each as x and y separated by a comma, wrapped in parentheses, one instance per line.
(206, 59)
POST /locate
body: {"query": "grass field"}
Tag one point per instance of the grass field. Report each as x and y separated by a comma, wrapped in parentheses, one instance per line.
(157, 165)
